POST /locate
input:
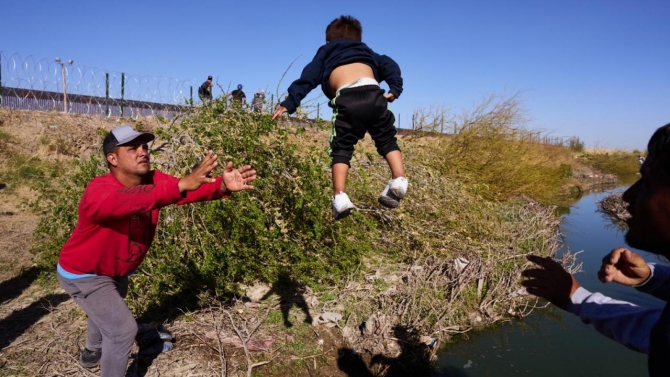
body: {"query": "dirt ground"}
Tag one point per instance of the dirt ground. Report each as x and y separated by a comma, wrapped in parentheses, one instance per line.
(42, 330)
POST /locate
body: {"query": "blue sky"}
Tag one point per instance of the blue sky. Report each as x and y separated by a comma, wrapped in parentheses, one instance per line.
(597, 69)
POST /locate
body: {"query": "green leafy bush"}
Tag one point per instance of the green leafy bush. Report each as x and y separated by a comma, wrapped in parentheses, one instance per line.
(282, 228)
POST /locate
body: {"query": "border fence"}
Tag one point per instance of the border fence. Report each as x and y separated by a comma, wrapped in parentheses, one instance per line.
(43, 84)
(31, 99)
(28, 83)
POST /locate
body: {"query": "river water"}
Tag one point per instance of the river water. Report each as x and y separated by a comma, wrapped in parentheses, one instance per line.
(550, 342)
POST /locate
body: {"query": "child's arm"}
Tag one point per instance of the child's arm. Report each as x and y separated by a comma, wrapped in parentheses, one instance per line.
(389, 71)
(309, 79)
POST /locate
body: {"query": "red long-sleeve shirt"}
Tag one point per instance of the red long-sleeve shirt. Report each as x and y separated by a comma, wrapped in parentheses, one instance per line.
(116, 224)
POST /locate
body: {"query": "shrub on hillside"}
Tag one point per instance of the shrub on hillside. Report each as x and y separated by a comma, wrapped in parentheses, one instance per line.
(576, 144)
(283, 228)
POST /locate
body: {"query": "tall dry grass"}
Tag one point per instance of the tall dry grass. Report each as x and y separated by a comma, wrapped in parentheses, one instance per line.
(494, 151)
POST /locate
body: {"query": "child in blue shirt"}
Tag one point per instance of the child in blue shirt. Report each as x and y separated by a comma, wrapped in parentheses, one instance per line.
(349, 73)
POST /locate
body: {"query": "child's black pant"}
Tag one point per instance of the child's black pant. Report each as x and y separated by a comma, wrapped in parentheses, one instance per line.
(356, 111)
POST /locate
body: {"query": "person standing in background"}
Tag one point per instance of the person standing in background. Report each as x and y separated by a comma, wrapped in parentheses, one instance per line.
(238, 95)
(205, 90)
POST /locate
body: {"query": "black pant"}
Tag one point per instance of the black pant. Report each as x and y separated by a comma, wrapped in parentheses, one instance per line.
(357, 111)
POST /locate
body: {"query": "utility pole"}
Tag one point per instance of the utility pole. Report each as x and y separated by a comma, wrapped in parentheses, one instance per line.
(62, 70)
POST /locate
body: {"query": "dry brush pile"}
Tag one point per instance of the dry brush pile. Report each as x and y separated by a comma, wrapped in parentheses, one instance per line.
(614, 207)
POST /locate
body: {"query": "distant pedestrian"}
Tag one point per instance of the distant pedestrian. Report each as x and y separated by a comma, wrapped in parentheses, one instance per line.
(238, 95)
(640, 159)
(205, 90)
(258, 101)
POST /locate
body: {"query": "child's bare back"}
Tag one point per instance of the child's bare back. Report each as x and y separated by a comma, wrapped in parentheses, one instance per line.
(348, 73)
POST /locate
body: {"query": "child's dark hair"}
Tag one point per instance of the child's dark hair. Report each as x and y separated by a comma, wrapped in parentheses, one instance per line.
(344, 27)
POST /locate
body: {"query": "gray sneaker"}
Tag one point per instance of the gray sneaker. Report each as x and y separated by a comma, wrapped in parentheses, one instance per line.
(394, 191)
(89, 359)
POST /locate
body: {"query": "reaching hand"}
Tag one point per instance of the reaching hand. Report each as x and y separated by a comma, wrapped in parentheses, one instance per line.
(236, 179)
(390, 97)
(201, 174)
(624, 267)
(551, 282)
(278, 112)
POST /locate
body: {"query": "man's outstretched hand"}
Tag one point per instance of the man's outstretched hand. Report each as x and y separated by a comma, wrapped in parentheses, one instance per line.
(551, 282)
(624, 267)
(237, 179)
(201, 174)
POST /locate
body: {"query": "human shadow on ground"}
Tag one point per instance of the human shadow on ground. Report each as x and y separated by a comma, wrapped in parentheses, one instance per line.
(12, 288)
(140, 365)
(186, 299)
(169, 308)
(15, 324)
(291, 293)
(352, 363)
(414, 359)
(165, 311)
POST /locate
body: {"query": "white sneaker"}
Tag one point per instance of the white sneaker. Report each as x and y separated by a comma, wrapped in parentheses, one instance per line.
(393, 192)
(342, 206)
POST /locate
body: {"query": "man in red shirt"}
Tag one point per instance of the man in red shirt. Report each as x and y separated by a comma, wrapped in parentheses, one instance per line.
(118, 214)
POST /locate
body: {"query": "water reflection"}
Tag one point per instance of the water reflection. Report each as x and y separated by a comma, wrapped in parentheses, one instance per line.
(550, 342)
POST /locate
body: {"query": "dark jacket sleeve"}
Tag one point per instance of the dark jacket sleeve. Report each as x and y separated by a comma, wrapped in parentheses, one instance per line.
(389, 71)
(309, 79)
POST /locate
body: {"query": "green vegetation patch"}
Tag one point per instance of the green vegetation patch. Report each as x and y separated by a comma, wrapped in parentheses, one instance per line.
(620, 163)
(21, 170)
(283, 228)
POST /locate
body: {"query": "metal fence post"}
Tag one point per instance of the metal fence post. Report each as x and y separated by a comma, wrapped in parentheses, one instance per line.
(123, 89)
(62, 71)
(107, 94)
(191, 95)
(412, 121)
(317, 111)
